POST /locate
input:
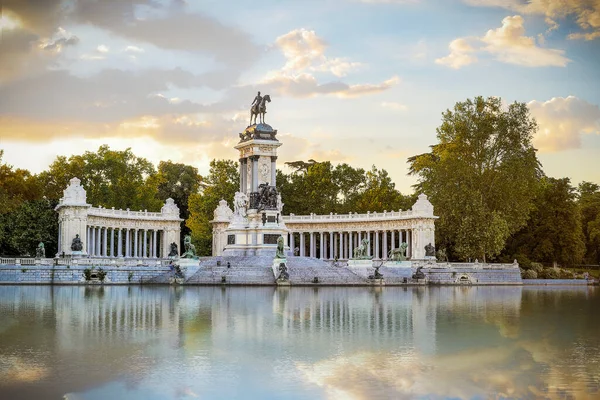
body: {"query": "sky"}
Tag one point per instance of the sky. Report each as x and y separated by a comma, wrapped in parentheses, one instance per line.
(358, 81)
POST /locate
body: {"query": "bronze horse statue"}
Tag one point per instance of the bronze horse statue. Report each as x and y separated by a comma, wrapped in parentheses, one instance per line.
(260, 110)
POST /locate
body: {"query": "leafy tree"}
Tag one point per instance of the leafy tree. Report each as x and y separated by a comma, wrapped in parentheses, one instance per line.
(379, 194)
(480, 176)
(111, 178)
(553, 232)
(34, 221)
(221, 183)
(177, 181)
(589, 202)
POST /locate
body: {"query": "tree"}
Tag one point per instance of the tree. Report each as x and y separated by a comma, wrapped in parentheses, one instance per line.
(553, 232)
(111, 179)
(177, 181)
(589, 203)
(221, 183)
(34, 221)
(480, 176)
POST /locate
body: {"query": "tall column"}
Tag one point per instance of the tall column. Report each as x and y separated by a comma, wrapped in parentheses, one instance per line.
(135, 243)
(154, 243)
(120, 243)
(254, 160)
(292, 243)
(242, 175)
(393, 239)
(127, 242)
(359, 237)
(273, 170)
(98, 241)
(145, 245)
(376, 252)
(301, 244)
(385, 246)
(409, 240)
(92, 240)
(350, 247)
(312, 244)
(321, 247)
(341, 248)
(331, 243)
(368, 233)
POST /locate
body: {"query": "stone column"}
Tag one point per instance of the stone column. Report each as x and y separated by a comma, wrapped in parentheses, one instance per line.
(145, 245)
(312, 244)
(154, 243)
(273, 170)
(359, 238)
(376, 248)
(242, 175)
(301, 244)
(368, 233)
(385, 246)
(112, 242)
(135, 243)
(350, 247)
(254, 160)
(341, 248)
(321, 247)
(292, 243)
(120, 242)
(393, 239)
(98, 241)
(331, 243)
(409, 242)
(92, 240)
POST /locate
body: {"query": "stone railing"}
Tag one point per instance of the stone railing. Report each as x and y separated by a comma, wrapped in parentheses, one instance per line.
(120, 262)
(370, 216)
(111, 212)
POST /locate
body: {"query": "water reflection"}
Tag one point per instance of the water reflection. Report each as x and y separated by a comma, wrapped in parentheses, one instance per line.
(210, 342)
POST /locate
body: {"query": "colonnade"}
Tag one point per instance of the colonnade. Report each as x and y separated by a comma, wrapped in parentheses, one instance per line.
(125, 242)
(340, 244)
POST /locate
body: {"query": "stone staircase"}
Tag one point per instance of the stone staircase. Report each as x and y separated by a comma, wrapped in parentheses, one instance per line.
(303, 271)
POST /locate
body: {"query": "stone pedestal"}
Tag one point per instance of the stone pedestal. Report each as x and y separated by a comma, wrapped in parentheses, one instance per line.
(362, 268)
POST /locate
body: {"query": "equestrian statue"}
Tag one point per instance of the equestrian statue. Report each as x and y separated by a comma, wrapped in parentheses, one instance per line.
(259, 107)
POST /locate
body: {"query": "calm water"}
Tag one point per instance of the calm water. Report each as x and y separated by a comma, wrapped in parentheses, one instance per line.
(301, 343)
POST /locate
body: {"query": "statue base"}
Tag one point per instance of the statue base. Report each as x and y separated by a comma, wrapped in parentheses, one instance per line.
(361, 267)
(258, 237)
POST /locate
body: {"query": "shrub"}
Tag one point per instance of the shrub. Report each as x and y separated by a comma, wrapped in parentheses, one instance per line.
(529, 274)
(523, 260)
(566, 274)
(87, 273)
(537, 267)
(101, 274)
(549, 273)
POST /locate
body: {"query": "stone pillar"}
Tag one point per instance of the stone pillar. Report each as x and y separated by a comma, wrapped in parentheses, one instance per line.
(135, 243)
(254, 160)
(368, 233)
(98, 241)
(112, 242)
(154, 243)
(120, 243)
(302, 244)
(292, 243)
(331, 243)
(350, 246)
(385, 246)
(393, 239)
(312, 244)
(145, 245)
(321, 247)
(273, 170)
(376, 248)
(242, 175)
(341, 248)
(359, 238)
(409, 242)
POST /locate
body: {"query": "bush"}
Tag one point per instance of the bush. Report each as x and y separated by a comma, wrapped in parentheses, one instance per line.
(550, 273)
(523, 261)
(537, 267)
(101, 274)
(566, 274)
(529, 274)
(87, 273)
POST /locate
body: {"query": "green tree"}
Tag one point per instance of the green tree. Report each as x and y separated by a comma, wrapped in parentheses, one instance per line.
(221, 183)
(480, 176)
(111, 178)
(553, 232)
(589, 202)
(177, 181)
(34, 221)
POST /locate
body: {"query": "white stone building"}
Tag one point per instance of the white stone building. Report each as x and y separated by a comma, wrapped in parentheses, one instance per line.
(114, 233)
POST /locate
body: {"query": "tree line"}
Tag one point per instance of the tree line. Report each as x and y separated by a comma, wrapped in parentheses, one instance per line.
(483, 177)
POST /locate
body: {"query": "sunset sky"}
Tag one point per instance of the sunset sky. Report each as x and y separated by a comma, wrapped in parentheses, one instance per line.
(362, 82)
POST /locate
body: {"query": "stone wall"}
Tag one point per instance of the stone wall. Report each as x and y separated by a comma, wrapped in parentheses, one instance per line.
(470, 273)
(42, 274)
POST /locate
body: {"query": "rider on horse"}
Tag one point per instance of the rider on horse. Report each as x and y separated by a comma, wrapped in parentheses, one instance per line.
(256, 102)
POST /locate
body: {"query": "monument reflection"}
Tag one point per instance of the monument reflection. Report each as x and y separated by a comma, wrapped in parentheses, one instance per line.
(210, 342)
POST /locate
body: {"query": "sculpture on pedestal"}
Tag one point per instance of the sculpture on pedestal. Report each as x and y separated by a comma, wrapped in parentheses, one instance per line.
(266, 198)
(190, 249)
(419, 274)
(40, 251)
(360, 252)
(377, 274)
(280, 252)
(76, 245)
(259, 107)
(429, 251)
(173, 251)
(240, 205)
(284, 275)
(398, 254)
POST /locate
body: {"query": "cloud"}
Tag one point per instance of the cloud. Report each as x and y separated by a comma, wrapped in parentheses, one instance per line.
(393, 106)
(303, 50)
(460, 54)
(102, 48)
(562, 121)
(133, 49)
(585, 12)
(507, 44)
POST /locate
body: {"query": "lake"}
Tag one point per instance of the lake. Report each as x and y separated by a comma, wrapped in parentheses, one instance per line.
(144, 342)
